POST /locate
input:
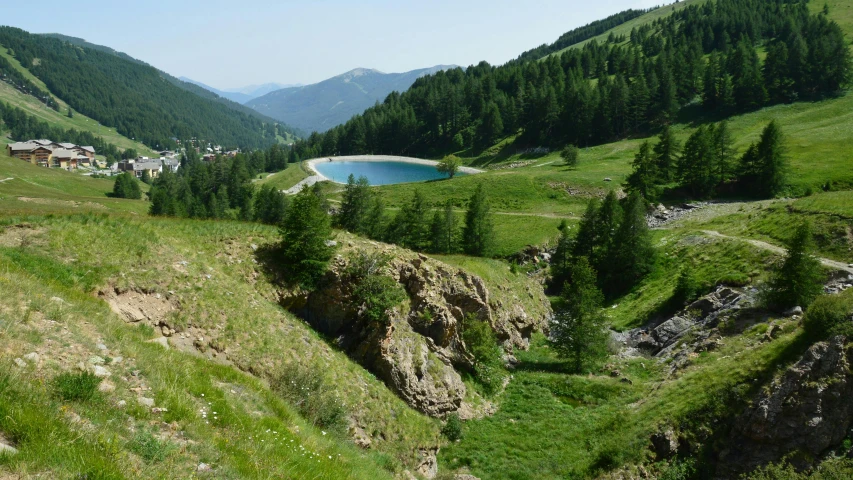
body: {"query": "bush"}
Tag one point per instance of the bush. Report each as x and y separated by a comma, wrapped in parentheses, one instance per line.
(482, 343)
(452, 429)
(375, 292)
(306, 389)
(829, 316)
(76, 386)
(687, 288)
(570, 155)
(126, 186)
(378, 294)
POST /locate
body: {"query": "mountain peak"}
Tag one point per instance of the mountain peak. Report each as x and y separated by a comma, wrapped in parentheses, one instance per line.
(329, 103)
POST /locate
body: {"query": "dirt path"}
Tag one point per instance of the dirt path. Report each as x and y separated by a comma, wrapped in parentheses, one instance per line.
(779, 250)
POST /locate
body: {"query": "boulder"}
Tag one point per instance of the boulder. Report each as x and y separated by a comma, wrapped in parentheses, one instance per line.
(806, 411)
(670, 329)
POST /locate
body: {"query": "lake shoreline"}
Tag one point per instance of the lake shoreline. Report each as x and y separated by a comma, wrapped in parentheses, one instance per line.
(375, 158)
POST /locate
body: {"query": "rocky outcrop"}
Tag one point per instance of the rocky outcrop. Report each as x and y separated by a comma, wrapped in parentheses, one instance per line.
(419, 352)
(660, 339)
(804, 412)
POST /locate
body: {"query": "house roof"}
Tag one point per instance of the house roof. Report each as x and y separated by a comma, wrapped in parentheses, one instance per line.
(63, 153)
(68, 146)
(42, 142)
(22, 146)
(89, 149)
(147, 165)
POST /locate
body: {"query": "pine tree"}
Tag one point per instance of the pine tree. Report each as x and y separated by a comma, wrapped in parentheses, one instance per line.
(562, 259)
(578, 330)
(478, 235)
(305, 247)
(634, 252)
(410, 228)
(724, 152)
(444, 231)
(666, 155)
(375, 220)
(355, 203)
(798, 280)
(587, 236)
(772, 162)
(126, 186)
(644, 176)
(270, 205)
(696, 168)
(608, 219)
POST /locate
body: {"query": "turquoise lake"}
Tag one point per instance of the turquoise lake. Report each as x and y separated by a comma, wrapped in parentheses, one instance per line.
(379, 173)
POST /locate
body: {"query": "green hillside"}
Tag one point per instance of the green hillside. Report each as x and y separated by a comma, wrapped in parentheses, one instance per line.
(249, 389)
(130, 96)
(59, 118)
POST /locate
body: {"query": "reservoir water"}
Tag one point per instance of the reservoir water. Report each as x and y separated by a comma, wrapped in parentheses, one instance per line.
(378, 172)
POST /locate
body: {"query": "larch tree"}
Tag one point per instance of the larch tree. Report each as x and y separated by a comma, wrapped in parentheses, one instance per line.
(478, 235)
(578, 329)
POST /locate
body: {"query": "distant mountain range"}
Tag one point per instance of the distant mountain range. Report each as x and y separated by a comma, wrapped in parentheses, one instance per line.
(243, 94)
(324, 105)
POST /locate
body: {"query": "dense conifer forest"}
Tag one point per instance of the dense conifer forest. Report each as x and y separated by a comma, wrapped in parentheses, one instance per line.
(708, 55)
(132, 97)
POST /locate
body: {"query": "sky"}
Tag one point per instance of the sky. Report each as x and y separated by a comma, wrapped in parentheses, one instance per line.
(231, 44)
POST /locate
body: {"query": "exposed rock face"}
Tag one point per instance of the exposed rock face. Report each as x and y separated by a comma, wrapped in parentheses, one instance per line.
(806, 411)
(660, 339)
(417, 354)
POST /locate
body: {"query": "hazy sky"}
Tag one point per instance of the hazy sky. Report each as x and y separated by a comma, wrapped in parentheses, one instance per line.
(236, 43)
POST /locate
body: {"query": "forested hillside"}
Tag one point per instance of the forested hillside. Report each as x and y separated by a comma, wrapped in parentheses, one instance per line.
(136, 99)
(709, 54)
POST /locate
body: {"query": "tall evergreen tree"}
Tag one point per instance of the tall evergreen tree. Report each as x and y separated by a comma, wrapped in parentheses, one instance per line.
(724, 152)
(798, 280)
(644, 176)
(478, 235)
(355, 205)
(666, 153)
(305, 234)
(578, 329)
(444, 230)
(633, 249)
(696, 168)
(773, 162)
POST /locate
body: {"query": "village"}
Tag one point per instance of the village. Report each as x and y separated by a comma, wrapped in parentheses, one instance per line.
(71, 157)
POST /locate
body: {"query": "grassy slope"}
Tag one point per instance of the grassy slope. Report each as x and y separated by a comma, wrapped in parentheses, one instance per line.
(60, 118)
(286, 178)
(37, 189)
(215, 415)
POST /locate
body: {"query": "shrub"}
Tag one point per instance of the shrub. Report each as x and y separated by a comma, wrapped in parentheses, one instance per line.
(488, 355)
(126, 186)
(829, 316)
(378, 294)
(452, 429)
(76, 386)
(570, 155)
(306, 389)
(686, 288)
(375, 292)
